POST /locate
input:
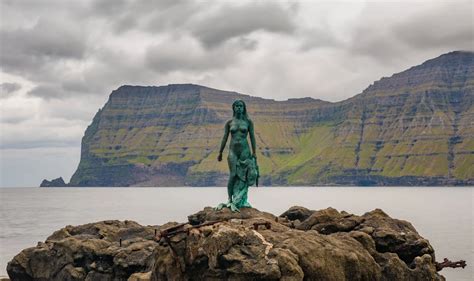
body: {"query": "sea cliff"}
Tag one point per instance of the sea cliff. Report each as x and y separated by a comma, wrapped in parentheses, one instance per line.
(300, 244)
(413, 128)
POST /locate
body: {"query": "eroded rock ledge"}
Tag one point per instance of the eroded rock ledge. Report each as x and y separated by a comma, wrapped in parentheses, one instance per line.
(300, 244)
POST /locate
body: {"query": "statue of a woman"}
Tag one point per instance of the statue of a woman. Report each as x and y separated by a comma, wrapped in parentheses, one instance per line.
(242, 164)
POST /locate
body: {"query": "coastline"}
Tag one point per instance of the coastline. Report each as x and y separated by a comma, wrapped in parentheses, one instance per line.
(41, 211)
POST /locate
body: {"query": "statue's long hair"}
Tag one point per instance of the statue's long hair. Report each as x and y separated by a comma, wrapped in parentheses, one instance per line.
(244, 114)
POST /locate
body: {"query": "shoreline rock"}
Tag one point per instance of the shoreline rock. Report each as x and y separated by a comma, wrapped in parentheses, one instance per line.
(58, 182)
(300, 244)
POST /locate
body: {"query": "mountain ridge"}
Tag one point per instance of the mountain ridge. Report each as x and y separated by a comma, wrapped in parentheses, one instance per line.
(461, 59)
(413, 128)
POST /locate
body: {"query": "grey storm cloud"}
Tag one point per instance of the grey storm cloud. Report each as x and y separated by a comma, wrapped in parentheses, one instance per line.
(24, 50)
(116, 12)
(233, 21)
(444, 26)
(211, 24)
(440, 26)
(7, 89)
(155, 16)
(109, 7)
(317, 38)
(187, 55)
(113, 8)
(12, 119)
(62, 90)
(47, 92)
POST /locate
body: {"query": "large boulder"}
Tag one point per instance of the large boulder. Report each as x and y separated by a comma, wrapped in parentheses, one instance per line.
(107, 250)
(390, 235)
(297, 213)
(221, 245)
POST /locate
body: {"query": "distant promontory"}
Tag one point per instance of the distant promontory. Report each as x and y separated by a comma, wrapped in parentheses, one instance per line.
(413, 128)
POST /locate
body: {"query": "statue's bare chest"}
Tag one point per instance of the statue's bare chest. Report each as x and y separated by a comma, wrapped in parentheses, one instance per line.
(238, 126)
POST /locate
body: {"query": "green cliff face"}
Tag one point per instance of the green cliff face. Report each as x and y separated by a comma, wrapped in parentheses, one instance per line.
(414, 128)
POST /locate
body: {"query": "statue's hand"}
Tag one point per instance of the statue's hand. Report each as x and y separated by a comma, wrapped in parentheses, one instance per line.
(219, 158)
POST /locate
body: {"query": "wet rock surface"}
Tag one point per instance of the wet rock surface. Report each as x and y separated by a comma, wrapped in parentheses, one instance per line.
(300, 244)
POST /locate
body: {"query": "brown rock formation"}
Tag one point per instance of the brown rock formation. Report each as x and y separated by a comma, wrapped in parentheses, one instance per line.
(220, 245)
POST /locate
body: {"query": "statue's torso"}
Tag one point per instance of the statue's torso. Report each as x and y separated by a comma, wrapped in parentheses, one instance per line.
(238, 142)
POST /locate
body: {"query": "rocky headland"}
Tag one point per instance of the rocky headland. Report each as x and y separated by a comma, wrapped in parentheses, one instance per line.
(413, 128)
(300, 244)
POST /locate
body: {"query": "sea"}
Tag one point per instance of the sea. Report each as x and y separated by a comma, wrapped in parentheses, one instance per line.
(443, 215)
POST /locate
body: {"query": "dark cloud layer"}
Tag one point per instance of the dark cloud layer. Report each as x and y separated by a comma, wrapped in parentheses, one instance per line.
(187, 54)
(7, 89)
(386, 36)
(234, 21)
(46, 92)
(26, 50)
(451, 24)
(154, 16)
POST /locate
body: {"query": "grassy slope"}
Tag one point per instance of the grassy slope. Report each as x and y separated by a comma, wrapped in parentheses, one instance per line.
(321, 151)
(389, 132)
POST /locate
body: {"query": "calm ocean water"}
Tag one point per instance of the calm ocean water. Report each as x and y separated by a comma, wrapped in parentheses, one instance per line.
(445, 216)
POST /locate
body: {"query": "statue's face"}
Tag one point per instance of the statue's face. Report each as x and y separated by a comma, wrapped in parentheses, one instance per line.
(239, 107)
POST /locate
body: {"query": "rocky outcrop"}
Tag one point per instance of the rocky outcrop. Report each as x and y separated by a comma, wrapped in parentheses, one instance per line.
(413, 128)
(301, 244)
(87, 252)
(59, 182)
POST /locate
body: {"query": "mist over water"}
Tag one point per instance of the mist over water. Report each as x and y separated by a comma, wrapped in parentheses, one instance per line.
(445, 216)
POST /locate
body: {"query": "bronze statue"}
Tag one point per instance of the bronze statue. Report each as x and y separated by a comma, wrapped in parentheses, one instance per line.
(242, 164)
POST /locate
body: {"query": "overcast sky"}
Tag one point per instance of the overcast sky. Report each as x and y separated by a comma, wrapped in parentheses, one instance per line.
(61, 59)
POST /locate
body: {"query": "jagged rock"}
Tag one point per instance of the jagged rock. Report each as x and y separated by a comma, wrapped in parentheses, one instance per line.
(88, 252)
(395, 236)
(58, 182)
(297, 213)
(221, 245)
(329, 221)
(389, 235)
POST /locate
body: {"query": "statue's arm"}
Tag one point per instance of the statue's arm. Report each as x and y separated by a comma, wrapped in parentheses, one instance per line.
(224, 140)
(252, 138)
